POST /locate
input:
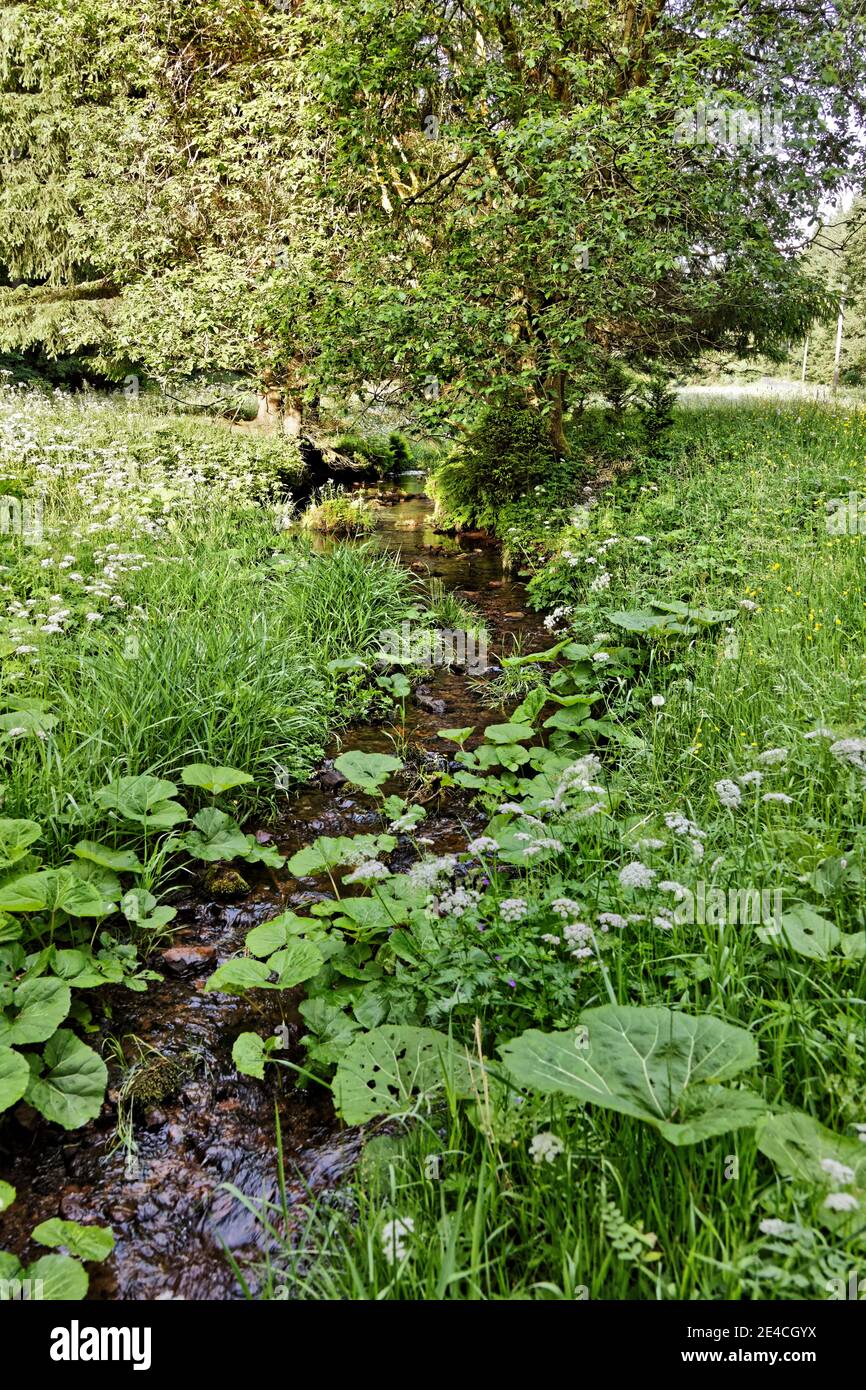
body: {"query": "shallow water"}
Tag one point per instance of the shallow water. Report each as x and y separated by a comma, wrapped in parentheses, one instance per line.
(171, 1218)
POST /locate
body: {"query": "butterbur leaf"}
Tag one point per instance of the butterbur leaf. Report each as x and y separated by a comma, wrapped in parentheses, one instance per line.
(68, 1083)
(387, 1071)
(805, 931)
(16, 837)
(38, 1008)
(216, 836)
(327, 852)
(93, 1243)
(248, 1055)
(120, 860)
(53, 890)
(797, 1144)
(508, 733)
(286, 968)
(654, 1064)
(214, 779)
(262, 854)
(456, 735)
(135, 797)
(59, 1279)
(7, 1196)
(270, 936)
(367, 770)
(14, 1076)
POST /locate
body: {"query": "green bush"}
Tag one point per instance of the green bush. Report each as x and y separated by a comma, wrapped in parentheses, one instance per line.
(505, 456)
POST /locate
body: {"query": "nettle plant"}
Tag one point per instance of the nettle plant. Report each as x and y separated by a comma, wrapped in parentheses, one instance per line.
(71, 928)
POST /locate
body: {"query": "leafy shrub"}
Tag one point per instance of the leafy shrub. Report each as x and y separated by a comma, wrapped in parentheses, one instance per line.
(503, 457)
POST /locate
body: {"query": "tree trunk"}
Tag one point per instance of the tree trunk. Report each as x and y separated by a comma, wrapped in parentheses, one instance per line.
(554, 390)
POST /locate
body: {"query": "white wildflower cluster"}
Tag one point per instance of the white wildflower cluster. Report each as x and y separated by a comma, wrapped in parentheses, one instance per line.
(483, 844)
(772, 1226)
(513, 909)
(773, 757)
(367, 872)
(556, 621)
(576, 935)
(601, 582)
(636, 875)
(840, 1175)
(454, 902)
(851, 751)
(565, 907)
(680, 825)
(729, 793)
(396, 1238)
(545, 1147)
(426, 873)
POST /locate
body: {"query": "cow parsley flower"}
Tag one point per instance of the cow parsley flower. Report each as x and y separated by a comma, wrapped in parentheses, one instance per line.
(396, 1238)
(781, 797)
(839, 1172)
(367, 871)
(841, 1201)
(771, 757)
(636, 875)
(545, 1147)
(513, 909)
(729, 793)
(850, 750)
(483, 844)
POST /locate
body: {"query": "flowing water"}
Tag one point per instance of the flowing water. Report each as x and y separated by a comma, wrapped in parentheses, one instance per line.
(171, 1216)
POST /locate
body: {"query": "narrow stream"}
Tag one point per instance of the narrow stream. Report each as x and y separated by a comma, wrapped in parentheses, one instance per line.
(170, 1217)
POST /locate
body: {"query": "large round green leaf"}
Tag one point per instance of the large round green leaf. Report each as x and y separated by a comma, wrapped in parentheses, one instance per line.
(367, 770)
(14, 1076)
(214, 779)
(69, 1086)
(655, 1064)
(93, 1243)
(38, 1008)
(62, 1279)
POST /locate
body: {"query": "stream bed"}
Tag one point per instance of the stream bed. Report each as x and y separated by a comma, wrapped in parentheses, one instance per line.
(167, 1206)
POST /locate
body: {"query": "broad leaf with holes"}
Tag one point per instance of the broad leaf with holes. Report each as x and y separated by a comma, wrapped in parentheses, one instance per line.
(655, 1064)
(392, 1069)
